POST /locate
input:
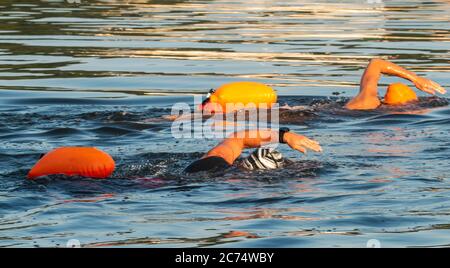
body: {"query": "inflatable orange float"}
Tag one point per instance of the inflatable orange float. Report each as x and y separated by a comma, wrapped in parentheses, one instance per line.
(74, 161)
(230, 95)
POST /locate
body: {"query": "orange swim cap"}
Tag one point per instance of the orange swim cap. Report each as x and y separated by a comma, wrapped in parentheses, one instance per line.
(71, 161)
(399, 93)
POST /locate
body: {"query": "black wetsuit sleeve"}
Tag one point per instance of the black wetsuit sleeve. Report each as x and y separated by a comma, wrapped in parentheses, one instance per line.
(212, 163)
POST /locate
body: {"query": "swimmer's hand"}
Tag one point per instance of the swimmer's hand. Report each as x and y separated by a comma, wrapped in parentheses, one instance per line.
(300, 143)
(171, 117)
(428, 86)
(174, 117)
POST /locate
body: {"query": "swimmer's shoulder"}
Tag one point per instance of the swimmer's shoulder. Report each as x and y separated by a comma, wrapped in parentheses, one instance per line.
(210, 163)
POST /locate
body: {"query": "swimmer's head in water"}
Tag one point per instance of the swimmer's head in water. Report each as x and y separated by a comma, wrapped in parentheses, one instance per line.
(210, 105)
(263, 159)
(398, 94)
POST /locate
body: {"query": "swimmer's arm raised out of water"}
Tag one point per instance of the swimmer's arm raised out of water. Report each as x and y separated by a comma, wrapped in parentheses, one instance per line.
(231, 148)
(368, 95)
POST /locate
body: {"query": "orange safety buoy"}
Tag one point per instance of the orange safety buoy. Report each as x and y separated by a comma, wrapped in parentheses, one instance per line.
(398, 94)
(74, 161)
(232, 95)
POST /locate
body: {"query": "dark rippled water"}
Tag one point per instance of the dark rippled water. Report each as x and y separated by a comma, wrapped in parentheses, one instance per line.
(104, 73)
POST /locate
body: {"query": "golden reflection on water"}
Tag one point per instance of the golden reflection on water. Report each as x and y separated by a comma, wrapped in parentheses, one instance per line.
(291, 45)
(251, 22)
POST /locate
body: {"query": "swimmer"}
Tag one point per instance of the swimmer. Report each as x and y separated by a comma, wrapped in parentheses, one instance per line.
(397, 94)
(232, 97)
(226, 153)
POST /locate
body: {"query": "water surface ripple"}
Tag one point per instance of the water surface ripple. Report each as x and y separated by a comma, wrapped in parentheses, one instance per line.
(104, 73)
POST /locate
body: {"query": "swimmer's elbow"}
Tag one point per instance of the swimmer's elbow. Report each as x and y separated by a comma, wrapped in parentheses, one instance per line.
(351, 106)
(362, 106)
(377, 62)
(363, 102)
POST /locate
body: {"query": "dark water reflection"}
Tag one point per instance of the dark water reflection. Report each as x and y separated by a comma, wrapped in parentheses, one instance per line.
(383, 175)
